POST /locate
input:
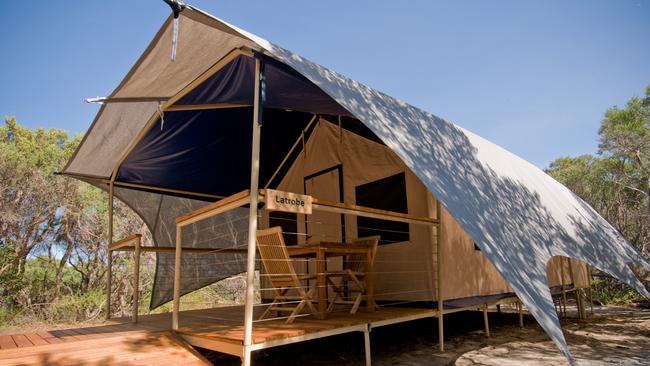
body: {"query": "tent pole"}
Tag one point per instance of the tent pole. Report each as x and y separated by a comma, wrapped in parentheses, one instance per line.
(109, 253)
(439, 264)
(591, 297)
(252, 215)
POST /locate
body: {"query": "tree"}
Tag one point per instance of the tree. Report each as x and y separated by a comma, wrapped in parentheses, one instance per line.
(625, 137)
(51, 226)
(616, 180)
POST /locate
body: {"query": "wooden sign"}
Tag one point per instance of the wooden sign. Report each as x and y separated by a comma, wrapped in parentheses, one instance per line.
(288, 202)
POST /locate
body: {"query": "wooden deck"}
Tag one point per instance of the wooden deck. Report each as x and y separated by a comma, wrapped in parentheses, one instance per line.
(151, 341)
(227, 334)
(139, 348)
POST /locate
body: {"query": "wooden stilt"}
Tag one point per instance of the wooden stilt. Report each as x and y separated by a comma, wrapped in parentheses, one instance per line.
(520, 307)
(136, 279)
(581, 303)
(366, 343)
(486, 322)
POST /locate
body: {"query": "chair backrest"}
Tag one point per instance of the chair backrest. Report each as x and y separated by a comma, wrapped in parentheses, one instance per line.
(275, 258)
(357, 262)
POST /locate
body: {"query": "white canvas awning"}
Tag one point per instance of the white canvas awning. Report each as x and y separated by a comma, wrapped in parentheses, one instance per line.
(518, 215)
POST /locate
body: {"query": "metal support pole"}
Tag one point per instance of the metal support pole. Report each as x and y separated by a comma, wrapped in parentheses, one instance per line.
(366, 343)
(591, 298)
(486, 323)
(439, 264)
(520, 307)
(252, 214)
(178, 255)
(136, 279)
(109, 253)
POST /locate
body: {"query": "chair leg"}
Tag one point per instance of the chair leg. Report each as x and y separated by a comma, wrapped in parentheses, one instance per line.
(337, 291)
(336, 298)
(268, 309)
(356, 304)
(306, 301)
(310, 305)
(279, 298)
(296, 312)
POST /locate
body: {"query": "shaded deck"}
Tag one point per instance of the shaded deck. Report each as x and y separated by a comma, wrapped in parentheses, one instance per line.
(151, 341)
(227, 334)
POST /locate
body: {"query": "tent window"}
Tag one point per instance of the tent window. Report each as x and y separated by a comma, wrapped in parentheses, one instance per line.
(385, 194)
(289, 223)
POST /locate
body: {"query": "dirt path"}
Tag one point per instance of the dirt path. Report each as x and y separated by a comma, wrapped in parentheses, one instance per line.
(614, 336)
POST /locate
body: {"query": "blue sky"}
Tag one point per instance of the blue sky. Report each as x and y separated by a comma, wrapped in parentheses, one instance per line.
(535, 78)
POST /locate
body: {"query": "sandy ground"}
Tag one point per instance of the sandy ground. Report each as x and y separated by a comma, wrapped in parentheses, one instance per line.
(613, 336)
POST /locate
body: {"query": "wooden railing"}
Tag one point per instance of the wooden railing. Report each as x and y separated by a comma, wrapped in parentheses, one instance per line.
(131, 242)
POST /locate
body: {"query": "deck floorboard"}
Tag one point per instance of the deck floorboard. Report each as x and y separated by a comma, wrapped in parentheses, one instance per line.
(151, 341)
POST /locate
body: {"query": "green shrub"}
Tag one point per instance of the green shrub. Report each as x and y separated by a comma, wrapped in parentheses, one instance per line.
(75, 308)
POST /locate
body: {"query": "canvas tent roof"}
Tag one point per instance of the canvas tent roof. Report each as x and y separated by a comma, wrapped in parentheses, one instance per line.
(517, 215)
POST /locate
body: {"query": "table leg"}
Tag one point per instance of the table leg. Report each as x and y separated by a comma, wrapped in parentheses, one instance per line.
(370, 283)
(321, 283)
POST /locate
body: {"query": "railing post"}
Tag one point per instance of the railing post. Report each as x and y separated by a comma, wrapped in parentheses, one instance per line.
(177, 277)
(109, 253)
(136, 279)
(252, 215)
(439, 260)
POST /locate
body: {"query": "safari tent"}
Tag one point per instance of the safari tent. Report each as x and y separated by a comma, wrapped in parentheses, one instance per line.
(211, 119)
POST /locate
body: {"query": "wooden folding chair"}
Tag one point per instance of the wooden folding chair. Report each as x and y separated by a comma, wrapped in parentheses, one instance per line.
(352, 276)
(282, 276)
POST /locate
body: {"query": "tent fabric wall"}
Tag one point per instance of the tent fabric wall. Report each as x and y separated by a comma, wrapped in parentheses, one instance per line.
(516, 214)
(466, 271)
(200, 45)
(563, 270)
(403, 272)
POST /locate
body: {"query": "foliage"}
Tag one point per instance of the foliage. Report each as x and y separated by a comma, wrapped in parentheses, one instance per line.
(53, 238)
(52, 229)
(616, 180)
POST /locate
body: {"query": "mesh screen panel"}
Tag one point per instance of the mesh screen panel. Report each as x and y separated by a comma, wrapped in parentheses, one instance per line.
(226, 231)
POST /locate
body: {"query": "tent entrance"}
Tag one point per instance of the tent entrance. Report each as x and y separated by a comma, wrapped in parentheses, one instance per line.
(326, 184)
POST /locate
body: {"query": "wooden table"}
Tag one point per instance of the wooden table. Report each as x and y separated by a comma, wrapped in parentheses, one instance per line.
(324, 250)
